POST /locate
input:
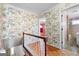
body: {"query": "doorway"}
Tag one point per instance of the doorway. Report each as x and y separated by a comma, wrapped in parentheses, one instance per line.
(42, 27)
(71, 29)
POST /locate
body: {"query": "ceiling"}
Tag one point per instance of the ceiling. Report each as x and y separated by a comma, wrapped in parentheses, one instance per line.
(35, 7)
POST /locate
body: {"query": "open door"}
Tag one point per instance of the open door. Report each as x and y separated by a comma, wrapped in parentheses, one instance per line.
(71, 29)
(42, 27)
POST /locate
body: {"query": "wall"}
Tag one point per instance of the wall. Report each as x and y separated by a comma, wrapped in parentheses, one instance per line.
(13, 22)
(76, 28)
(1, 23)
(53, 23)
(53, 26)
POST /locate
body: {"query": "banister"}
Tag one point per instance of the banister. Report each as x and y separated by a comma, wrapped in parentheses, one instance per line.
(44, 39)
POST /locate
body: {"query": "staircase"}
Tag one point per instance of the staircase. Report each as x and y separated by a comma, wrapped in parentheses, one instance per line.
(40, 48)
(49, 50)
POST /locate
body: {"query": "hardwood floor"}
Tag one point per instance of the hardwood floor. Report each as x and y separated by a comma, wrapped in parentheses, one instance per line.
(53, 51)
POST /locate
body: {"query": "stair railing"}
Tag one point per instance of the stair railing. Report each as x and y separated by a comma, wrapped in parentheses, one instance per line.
(44, 38)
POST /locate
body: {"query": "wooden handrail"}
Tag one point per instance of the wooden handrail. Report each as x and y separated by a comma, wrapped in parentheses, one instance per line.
(44, 39)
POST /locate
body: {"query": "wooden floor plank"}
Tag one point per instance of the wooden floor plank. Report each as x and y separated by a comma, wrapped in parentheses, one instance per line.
(53, 51)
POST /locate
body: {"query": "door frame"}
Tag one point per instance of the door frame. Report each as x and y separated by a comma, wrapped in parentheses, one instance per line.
(64, 25)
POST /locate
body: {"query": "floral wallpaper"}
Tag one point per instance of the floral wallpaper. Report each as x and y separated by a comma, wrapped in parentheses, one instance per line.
(1, 24)
(16, 21)
(53, 26)
(53, 23)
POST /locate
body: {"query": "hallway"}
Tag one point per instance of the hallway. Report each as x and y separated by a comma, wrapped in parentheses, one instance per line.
(53, 29)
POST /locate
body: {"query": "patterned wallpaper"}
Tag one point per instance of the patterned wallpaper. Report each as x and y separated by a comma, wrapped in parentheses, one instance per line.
(53, 26)
(53, 23)
(1, 24)
(16, 21)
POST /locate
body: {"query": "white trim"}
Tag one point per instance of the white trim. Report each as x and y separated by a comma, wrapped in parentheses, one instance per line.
(71, 6)
(60, 28)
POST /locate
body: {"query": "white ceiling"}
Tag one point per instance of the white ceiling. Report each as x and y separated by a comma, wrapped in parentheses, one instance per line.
(35, 7)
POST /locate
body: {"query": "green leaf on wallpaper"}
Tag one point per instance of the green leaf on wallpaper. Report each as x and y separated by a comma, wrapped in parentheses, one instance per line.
(50, 41)
(49, 32)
